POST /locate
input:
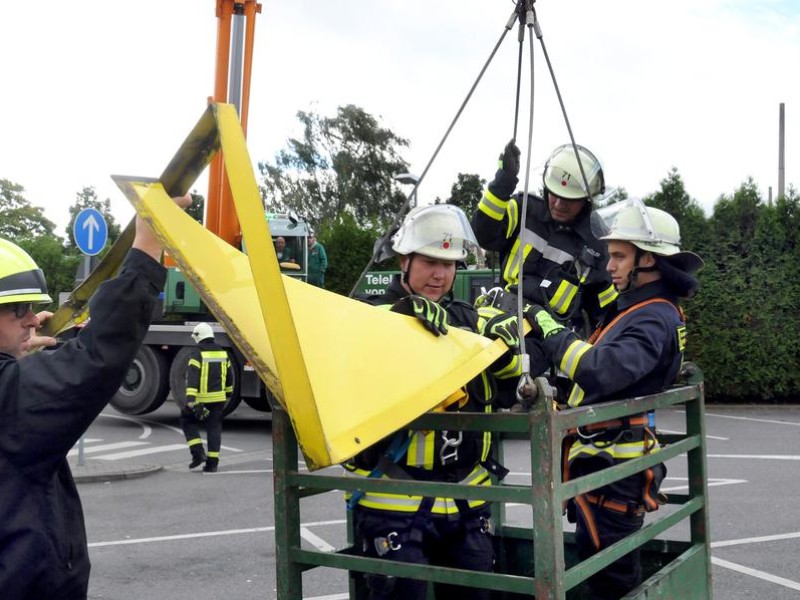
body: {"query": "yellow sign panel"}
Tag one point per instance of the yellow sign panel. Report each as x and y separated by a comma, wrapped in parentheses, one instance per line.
(347, 374)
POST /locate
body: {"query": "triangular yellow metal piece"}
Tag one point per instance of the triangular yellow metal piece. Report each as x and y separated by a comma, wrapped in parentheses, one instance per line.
(347, 374)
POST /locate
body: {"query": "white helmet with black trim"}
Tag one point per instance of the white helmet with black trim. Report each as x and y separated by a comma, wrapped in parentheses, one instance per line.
(562, 173)
(650, 229)
(202, 331)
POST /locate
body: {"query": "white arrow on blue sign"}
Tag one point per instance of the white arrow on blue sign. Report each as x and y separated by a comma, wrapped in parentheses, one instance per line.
(90, 231)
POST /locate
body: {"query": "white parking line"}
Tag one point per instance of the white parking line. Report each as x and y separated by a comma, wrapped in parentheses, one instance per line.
(708, 437)
(757, 456)
(191, 536)
(755, 540)
(774, 421)
(792, 585)
(143, 452)
(711, 483)
(315, 540)
(105, 447)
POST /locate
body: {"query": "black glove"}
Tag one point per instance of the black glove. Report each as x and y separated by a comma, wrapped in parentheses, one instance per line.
(200, 411)
(509, 159)
(506, 178)
(504, 327)
(433, 316)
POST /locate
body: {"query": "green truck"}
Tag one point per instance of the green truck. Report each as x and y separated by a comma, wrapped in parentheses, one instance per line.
(159, 368)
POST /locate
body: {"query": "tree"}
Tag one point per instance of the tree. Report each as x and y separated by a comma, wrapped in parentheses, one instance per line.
(466, 192)
(349, 247)
(58, 265)
(673, 198)
(197, 208)
(87, 198)
(342, 165)
(18, 219)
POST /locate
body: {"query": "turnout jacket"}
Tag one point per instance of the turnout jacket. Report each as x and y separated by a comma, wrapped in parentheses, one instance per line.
(47, 401)
(637, 351)
(563, 264)
(208, 374)
(450, 456)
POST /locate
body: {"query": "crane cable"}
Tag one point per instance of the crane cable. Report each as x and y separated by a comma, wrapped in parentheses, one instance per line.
(525, 384)
(384, 240)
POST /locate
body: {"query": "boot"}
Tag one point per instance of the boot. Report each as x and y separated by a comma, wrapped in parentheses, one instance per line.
(198, 456)
(211, 465)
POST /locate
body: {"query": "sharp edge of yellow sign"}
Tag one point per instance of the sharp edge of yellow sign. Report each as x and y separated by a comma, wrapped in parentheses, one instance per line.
(347, 374)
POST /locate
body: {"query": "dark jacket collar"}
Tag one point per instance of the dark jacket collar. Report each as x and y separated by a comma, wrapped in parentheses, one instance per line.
(656, 289)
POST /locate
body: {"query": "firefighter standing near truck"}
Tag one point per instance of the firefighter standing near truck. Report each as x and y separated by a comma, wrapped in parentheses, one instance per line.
(637, 351)
(426, 530)
(208, 382)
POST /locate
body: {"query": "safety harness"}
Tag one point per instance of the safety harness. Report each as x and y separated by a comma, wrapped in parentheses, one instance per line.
(608, 433)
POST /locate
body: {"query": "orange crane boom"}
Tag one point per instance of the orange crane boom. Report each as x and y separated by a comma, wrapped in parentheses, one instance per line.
(235, 33)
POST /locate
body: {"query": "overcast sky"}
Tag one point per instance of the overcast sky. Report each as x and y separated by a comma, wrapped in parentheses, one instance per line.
(95, 88)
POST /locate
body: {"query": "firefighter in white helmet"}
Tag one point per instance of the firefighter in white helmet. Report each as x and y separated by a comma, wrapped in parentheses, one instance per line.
(209, 381)
(48, 400)
(563, 263)
(637, 351)
(431, 241)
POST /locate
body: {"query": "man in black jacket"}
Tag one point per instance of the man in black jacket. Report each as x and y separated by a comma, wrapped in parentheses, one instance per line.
(428, 530)
(563, 263)
(637, 351)
(47, 401)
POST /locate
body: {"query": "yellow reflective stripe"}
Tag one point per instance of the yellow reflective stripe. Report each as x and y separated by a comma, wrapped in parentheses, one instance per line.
(492, 206)
(194, 363)
(511, 269)
(212, 398)
(487, 438)
(211, 454)
(571, 358)
(420, 451)
(622, 451)
(575, 396)
(607, 296)
(513, 217)
(406, 503)
(194, 442)
(190, 391)
(562, 299)
(682, 338)
(512, 368)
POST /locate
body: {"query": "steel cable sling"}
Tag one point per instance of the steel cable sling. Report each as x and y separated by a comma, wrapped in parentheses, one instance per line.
(525, 13)
(385, 238)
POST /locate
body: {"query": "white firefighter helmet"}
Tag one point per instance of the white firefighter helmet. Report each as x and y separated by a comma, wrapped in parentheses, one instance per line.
(652, 230)
(21, 280)
(438, 230)
(202, 331)
(562, 174)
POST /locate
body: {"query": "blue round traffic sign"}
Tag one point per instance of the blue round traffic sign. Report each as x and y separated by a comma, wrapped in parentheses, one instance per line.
(90, 231)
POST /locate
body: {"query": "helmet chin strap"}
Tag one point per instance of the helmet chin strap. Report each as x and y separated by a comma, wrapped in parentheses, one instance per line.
(404, 275)
(633, 276)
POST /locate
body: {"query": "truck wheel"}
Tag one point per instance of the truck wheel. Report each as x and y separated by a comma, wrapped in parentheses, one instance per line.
(262, 403)
(177, 380)
(146, 383)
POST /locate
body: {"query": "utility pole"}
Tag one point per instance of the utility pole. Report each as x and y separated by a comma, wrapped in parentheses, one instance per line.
(781, 142)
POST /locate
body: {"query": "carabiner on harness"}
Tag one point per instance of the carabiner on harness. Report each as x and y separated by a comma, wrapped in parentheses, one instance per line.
(454, 443)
